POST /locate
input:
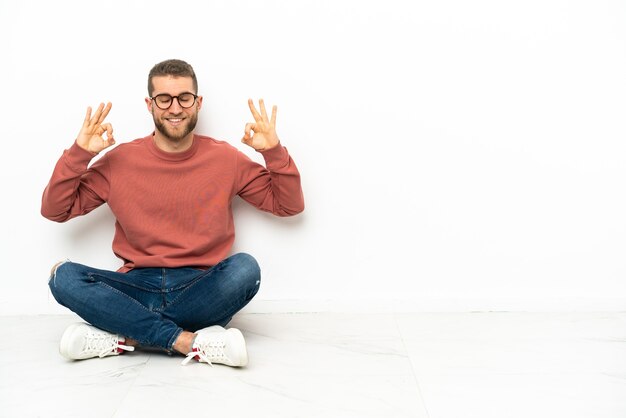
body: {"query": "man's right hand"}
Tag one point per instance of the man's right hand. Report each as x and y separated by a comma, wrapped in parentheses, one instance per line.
(91, 137)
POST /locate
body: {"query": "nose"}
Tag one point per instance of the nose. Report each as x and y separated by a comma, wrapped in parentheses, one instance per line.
(175, 107)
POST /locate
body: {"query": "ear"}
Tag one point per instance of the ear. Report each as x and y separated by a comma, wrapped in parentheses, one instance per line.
(199, 101)
(149, 104)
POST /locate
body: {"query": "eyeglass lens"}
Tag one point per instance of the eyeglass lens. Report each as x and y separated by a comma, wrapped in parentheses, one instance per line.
(185, 100)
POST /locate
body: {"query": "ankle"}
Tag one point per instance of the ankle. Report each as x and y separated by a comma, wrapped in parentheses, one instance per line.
(184, 342)
(130, 342)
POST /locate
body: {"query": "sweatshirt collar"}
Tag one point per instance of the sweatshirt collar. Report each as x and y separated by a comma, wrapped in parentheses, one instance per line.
(172, 156)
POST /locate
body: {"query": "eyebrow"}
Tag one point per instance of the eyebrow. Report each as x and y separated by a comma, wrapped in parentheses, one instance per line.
(174, 95)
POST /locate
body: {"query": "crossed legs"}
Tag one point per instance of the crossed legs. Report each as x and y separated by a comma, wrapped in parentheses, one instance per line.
(157, 307)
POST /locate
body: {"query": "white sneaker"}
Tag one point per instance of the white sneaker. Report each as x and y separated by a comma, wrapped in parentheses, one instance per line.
(82, 341)
(218, 345)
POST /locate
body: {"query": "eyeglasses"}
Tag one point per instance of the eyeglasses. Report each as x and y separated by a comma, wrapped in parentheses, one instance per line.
(164, 101)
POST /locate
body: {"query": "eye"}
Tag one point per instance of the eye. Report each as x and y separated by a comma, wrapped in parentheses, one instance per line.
(163, 99)
(186, 98)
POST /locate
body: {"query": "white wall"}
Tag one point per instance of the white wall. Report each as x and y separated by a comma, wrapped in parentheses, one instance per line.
(455, 155)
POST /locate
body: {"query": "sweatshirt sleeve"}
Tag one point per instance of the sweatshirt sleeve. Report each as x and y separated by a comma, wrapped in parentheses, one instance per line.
(277, 188)
(74, 189)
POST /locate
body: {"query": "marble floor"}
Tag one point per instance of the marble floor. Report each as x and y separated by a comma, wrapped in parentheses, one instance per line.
(440, 365)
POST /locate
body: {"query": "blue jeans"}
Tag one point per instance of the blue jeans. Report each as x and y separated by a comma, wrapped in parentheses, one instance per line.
(154, 305)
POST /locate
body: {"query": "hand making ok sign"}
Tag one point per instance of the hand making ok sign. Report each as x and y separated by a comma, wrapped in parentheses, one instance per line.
(261, 135)
(90, 136)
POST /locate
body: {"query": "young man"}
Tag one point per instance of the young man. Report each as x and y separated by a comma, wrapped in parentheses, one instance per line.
(171, 195)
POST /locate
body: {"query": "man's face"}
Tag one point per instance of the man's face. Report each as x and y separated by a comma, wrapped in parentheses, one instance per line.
(175, 122)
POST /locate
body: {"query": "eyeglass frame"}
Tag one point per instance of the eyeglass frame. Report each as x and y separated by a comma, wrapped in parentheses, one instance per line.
(195, 98)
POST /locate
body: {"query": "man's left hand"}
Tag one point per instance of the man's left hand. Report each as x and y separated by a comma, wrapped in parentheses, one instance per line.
(261, 134)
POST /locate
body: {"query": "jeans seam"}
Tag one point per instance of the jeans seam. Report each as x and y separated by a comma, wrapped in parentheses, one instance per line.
(187, 284)
(184, 291)
(104, 279)
(163, 284)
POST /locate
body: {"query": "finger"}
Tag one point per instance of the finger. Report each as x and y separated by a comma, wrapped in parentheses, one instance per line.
(263, 111)
(96, 115)
(104, 113)
(273, 121)
(108, 128)
(87, 116)
(250, 127)
(249, 132)
(256, 115)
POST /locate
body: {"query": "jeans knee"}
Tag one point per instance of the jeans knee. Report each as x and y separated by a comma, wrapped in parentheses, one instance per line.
(53, 270)
(62, 279)
(248, 267)
(53, 273)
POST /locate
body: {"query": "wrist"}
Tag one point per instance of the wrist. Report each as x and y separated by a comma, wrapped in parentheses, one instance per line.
(269, 145)
(85, 148)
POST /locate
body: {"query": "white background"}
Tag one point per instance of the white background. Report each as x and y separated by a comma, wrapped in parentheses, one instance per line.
(455, 155)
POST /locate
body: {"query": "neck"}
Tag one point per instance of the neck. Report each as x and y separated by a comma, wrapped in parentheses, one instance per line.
(168, 145)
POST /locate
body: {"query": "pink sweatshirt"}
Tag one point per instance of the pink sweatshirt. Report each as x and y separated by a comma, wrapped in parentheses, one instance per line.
(171, 209)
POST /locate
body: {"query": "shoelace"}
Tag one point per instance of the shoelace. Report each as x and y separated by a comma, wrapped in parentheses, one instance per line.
(207, 351)
(104, 344)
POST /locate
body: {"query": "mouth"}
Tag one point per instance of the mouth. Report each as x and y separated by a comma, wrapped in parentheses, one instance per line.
(174, 121)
